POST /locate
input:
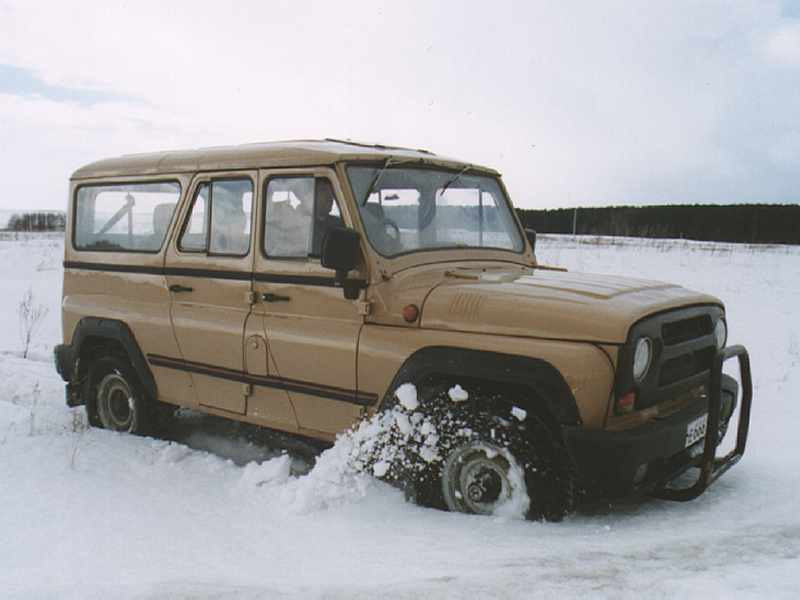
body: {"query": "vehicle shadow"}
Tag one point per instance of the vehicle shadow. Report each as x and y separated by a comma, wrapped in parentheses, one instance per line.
(634, 504)
(239, 442)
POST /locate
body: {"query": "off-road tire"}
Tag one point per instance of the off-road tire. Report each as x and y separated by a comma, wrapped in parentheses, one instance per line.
(116, 399)
(530, 444)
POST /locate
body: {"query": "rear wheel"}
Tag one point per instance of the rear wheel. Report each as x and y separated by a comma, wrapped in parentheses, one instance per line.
(116, 400)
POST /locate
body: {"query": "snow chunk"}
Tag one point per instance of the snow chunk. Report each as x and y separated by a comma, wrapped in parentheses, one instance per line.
(517, 504)
(427, 428)
(428, 454)
(403, 424)
(431, 440)
(407, 395)
(519, 413)
(380, 468)
(458, 394)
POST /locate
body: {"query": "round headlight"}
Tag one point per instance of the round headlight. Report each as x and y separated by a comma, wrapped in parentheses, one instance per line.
(642, 356)
(721, 333)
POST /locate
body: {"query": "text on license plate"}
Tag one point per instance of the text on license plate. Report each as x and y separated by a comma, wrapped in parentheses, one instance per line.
(696, 430)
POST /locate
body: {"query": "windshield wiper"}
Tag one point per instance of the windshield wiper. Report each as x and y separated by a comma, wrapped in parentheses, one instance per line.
(454, 179)
(375, 180)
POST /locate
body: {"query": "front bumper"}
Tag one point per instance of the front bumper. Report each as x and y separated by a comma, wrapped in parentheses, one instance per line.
(645, 459)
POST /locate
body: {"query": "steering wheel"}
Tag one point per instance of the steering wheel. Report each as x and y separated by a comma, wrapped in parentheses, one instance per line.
(389, 224)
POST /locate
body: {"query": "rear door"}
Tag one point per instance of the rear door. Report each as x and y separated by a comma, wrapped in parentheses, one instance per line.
(311, 329)
(209, 274)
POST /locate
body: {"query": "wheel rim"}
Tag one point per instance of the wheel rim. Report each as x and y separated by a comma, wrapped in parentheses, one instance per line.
(115, 403)
(475, 479)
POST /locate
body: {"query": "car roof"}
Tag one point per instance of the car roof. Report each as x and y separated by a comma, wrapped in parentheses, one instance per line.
(292, 153)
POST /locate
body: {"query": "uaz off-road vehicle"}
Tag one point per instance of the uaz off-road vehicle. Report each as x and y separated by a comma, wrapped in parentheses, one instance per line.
(298, 285)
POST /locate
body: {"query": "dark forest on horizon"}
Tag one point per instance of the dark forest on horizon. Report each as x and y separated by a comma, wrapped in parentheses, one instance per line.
(745, 223)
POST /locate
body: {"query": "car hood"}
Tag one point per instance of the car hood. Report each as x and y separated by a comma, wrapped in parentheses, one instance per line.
(549, 304)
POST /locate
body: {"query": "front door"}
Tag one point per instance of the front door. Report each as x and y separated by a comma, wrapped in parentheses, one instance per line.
(311, 329)
(209, 274)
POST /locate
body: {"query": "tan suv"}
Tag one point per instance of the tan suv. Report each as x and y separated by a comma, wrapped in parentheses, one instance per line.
(297, 285)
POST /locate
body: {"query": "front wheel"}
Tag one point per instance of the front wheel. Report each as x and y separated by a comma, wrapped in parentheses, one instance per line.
(484, 479)
(504, 467)
(458, 456)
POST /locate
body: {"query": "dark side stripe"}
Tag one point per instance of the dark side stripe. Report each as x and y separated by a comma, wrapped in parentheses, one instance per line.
(317, 280)
(280, 383)
(113, 268)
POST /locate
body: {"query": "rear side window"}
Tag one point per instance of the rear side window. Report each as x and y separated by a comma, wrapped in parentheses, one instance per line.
(124, 217)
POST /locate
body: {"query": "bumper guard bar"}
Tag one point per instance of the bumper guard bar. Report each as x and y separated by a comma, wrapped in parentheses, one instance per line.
(711, 467)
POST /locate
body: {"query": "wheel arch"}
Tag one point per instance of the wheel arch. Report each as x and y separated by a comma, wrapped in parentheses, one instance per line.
(549, 390)
(92, 333)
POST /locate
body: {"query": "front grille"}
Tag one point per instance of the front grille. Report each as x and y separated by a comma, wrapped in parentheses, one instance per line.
(684, 349)
(677, 332)
(686, 365)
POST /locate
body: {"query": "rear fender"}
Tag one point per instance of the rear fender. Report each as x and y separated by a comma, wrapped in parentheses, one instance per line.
(90, 329)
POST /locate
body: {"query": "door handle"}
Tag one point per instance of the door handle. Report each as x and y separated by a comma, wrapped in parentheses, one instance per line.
(177, 288)
(274, 298)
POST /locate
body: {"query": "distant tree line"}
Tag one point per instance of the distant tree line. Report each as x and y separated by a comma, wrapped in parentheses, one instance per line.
(410, 217)
(37, 221)
(748, 223)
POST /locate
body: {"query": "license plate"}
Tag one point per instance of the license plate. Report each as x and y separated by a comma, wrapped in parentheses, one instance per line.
(696, 430)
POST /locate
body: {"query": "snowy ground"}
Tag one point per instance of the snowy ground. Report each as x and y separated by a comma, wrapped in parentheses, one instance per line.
(92, 514)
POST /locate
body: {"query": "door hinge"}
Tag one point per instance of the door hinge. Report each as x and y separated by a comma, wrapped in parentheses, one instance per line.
(250, 297)
(364, 307)
(247, 389)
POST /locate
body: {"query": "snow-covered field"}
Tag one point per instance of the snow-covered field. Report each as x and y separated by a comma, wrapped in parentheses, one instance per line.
(93, 514)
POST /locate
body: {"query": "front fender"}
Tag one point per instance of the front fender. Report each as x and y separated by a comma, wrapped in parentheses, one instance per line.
(575, 377)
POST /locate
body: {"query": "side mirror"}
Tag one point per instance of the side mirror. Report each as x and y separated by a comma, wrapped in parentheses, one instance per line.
(341, 249)
(531, 235)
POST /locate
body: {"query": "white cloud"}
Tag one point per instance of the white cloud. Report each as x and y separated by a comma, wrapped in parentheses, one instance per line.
(44, 141)
(783, 44)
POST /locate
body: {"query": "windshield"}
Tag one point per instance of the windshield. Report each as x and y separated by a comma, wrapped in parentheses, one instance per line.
(411, 209)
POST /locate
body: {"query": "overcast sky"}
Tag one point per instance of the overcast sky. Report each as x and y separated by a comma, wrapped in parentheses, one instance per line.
(576, 103)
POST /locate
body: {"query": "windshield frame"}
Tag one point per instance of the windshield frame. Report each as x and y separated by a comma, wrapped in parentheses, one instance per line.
(454, 169)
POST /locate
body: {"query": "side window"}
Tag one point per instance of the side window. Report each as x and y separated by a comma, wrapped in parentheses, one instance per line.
(231, 204)
(299, 211)
(194, 238)
(219, 220)
(124, 217)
